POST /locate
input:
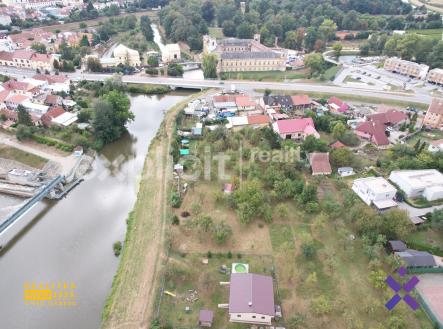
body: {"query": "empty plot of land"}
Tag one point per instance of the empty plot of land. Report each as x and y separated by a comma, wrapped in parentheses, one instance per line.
(31, 160)
(430, 288)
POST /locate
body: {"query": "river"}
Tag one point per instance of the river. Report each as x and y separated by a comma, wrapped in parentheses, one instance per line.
(71, 240)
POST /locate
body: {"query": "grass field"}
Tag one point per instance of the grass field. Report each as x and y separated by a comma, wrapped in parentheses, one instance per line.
(216, 32)
(272, 76)
(28, 159)
(432, 33)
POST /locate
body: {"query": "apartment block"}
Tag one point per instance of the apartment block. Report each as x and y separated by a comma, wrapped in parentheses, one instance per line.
(411, 69)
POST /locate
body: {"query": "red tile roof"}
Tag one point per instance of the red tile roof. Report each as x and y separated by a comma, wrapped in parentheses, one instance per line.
(375, 130)
(390, 117)
(244, 101)
(41, 57)
(299, 100)
(337, 145)
(320, 163)
(51, 78)
(258, 119)
(436, 106)
(4, 94)
(294, 125)
(5, 56)
(223, 98)
(17, 98)
(16, 85)
(22, 54)
(342, 106)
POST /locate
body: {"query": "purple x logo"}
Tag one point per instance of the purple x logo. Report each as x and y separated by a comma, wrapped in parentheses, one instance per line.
(407, 287)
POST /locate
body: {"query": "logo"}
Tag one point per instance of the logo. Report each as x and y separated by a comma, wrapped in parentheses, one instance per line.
(397, 287)
(49, 294)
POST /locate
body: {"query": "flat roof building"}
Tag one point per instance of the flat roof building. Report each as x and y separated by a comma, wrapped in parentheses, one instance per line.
(411, 69)
(375, 190)
(426, 183)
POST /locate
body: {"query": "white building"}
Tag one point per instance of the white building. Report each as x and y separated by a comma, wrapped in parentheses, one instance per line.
(171, 53)
(426, 183)
(122, 55)
(6, 43)
(411, 69)
(375, 190)
(5, 20)
(436, 146)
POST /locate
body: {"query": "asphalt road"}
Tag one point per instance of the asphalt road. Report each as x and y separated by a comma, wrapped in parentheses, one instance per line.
(243, 85)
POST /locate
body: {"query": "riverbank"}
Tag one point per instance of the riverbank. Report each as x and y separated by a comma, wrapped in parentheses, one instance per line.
(131, 300)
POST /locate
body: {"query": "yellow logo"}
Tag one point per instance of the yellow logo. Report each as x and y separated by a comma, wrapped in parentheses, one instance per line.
(50, 294)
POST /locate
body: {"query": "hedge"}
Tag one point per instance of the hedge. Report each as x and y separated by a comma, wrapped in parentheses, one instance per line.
(53, 142)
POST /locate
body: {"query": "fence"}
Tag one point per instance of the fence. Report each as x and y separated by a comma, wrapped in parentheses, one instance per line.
(422, 270)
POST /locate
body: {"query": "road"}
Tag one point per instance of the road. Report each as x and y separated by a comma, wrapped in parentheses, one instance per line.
(243, 85)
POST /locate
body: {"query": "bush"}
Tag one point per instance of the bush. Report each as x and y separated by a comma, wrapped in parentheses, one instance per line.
(321, 305)
(221, 232)
(151, 71)
(209, 254)
(308, 249)
(229, 254)
(176, 201)
(53, 142)
(175, 220)
(117, 246)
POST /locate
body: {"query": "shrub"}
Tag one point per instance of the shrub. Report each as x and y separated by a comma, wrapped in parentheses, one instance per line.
(229, 254)
(175, 220)
(308, 249)
(209, 254)
(221, 232)
(176, 200)
(117, 246)
(321, 305)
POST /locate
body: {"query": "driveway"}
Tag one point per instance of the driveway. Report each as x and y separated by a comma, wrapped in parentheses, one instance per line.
(416, 212)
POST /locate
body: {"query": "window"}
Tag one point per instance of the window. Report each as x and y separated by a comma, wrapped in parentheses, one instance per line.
(263, 317)
(238, 315)
(253, 316)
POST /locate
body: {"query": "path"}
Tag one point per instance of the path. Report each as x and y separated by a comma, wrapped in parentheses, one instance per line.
(416, 212)
(66, 162)
(135, 286)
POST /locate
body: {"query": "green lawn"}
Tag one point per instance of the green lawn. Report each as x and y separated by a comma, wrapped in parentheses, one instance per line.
(29, 159)
(216, 32)
(331, 72)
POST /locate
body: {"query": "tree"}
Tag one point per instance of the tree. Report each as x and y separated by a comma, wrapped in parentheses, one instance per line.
(208, 11)
(153, 61)
(229, 28)
(315, 63)
(93, 64)
(342, 157)
(39, 47)
(312, 144)
(339, 130)
(308, 249)
(84, 42)
(145, 28)
(175, 70)
(23, 132)
(327, 29)
(337, 47)
(245, 31)
(294, 39)
(23, 116)
(209, 66)
(249, 201)
(83, 25)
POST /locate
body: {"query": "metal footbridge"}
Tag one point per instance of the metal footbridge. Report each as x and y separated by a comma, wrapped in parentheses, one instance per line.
(43, 192)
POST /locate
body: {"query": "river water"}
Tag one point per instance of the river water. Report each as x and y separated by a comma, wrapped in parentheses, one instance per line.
(71, 240)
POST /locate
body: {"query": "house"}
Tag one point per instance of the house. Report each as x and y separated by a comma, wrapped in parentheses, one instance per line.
(53, 100)
(345, 171)
(251, 299)
(205, 318)
(376, 191)
(434, 115)
(258, 121)
(319, 163)
(277, 102)
(436, 146)
(337, 106)
(55, 83)
(66, 119)
(49, 116)
(122, 55)
(295, 129)
(415, 258)
(390, 118)
(237, 122)
(427, 183)
(245, 103)
(337, 145)
(410, 69)
(373, 131)
(224, 102)
(171, 53)
(397, 245)
(301, 102)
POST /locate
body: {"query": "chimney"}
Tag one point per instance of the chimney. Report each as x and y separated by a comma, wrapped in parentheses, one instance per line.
(250, 303)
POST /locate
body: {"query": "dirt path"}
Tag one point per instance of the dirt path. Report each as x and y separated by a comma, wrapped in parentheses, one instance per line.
(133, 295)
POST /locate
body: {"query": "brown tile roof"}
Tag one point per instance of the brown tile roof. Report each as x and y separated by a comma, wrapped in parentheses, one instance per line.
(258, 119)
(244, 101)
(22, 54)
(436, 106)
(320, 163)
(376, 130)
(337, 145)
(5, 56)
(389, 117)
(17, 99)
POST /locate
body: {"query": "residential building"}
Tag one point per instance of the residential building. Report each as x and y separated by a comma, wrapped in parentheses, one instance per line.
(122, 55)
(389, 118)
(5, 20)
(397, 245)
(319, 163)
(237, 55)
(414, 258)
(258, 120)
(251, 299)
(6, 43)
(27, 59)
(171, 53)
(436, 76)
(337, 106)
(373, 131)
(55, 83)
(427, 183)
(245, 103)
(375, 190)
(295, 129)
(227, 102)
(411, 69)
(277, 102)
(434, 115)
(49, 116)
(301, 102)
(436, 146)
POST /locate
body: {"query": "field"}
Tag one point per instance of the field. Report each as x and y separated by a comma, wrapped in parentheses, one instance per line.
(216, 32)
(328, 287)
(432, 33)
(272, 76)
(92, 22)
(29, 159)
